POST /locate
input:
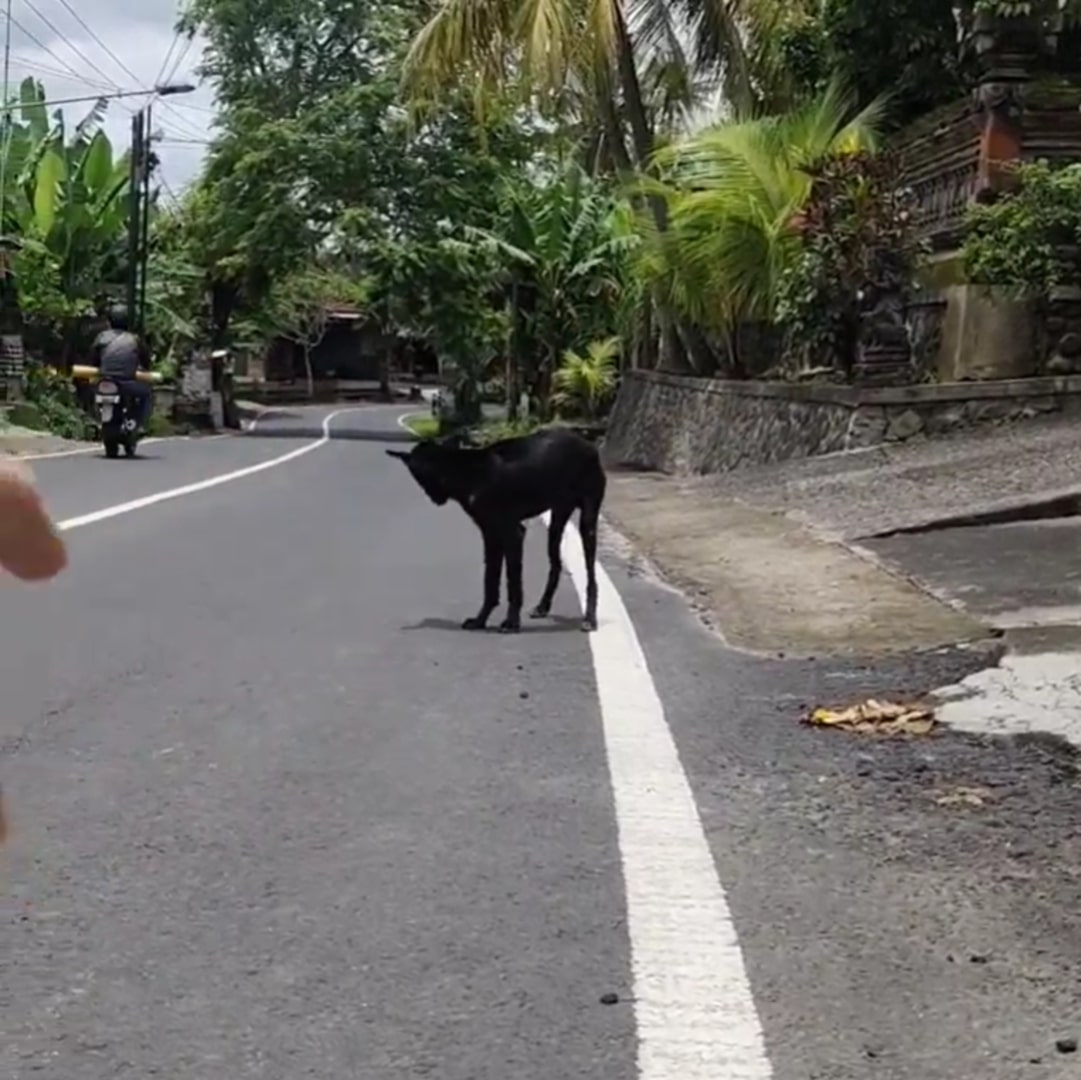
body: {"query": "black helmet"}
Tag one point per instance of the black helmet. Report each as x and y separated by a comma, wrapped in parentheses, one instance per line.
(118, 317)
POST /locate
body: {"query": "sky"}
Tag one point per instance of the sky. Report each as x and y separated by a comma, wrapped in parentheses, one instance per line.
(126, 45)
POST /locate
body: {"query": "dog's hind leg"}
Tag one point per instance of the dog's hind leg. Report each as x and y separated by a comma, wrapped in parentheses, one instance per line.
(493, 572)
(560, 517)
(588, 522)
(514, 548)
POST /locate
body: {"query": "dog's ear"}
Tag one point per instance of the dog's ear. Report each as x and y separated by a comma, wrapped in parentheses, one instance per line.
(401, 455)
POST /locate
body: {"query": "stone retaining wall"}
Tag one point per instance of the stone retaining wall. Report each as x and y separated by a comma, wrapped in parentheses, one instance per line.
(680, 424)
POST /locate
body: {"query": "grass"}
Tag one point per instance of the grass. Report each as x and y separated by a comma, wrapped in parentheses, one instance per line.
(422, 425)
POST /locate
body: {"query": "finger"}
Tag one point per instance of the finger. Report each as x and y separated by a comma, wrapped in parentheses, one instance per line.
(30, 547)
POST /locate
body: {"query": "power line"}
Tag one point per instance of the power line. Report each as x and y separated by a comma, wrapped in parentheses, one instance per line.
(95, 37)
(33, 65)
(180, 58)
(44, 48)
(61, 37)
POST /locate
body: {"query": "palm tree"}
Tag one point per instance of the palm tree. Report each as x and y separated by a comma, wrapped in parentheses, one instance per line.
(585, 382)
(734, 192)
(625, 64)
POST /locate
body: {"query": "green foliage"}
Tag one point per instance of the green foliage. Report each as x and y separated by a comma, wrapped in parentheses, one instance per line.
(907, 49)
(52, 394)
(563, 249)
(422, 425)
(733, 191)
(585, 382)
(1029, 241)
(856, 245)
(1020, 9)
(498, 430)
(64, 218)
(159, 427)
(66, 194)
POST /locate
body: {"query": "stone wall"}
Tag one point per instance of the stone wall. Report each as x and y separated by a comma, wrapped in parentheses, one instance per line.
(680, 424)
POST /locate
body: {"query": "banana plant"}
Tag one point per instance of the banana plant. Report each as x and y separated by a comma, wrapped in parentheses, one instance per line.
(70, 194)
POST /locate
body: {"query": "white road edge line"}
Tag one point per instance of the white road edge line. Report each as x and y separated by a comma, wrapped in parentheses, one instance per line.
(693, 1005)
(200, 485)
(409, 416)
(91, 449)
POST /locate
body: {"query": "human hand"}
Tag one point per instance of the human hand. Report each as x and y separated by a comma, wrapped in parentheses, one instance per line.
(30, 546)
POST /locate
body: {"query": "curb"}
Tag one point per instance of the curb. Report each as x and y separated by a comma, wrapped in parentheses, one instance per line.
(1059, 504)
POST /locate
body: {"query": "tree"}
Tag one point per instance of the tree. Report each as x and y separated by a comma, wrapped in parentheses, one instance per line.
(623, 62)
(559, 243)
(734, 192)
(299, 306)
(318, 162)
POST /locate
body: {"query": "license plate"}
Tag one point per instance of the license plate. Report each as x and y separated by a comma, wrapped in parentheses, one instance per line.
(109, 399)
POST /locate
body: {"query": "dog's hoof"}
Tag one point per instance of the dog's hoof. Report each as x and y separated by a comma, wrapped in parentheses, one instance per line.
(589, 625)
(510, 626)
(539, 612)
(473, 623)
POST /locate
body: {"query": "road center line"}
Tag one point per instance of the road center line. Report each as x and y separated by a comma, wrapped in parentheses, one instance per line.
(693, 1006)
(200, 485)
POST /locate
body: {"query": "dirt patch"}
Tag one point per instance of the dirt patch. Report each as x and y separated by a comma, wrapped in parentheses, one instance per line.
(767, 585)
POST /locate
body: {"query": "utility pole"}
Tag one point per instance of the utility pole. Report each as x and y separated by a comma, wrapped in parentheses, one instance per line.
(138, 152)
(144, 240)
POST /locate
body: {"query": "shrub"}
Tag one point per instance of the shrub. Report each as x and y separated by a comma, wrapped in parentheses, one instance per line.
(585, 382)
(52, 394)
(858, 245)
(1028, 241)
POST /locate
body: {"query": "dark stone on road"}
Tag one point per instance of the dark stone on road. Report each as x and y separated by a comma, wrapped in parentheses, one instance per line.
(609, 999)
(1066, 1046)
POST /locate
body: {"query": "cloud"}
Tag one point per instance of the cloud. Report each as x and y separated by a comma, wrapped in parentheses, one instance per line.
(130, 44)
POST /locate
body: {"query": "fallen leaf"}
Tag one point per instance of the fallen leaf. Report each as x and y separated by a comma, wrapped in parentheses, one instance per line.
(878, 717)
(964, 796)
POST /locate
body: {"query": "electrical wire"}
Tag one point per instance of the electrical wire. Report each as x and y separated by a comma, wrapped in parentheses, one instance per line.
(61, 37)
(45, 48)
(96, 38)
(67, 76)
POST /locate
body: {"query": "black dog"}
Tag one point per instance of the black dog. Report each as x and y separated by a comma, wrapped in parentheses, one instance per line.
(503, 485)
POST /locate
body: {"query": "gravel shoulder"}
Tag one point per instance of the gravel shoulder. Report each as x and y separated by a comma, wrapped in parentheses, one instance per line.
(867, 492)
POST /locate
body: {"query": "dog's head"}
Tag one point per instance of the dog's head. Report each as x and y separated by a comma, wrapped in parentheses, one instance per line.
(428, 465)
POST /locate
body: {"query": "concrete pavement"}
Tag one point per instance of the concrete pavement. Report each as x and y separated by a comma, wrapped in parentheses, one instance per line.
(277, 817)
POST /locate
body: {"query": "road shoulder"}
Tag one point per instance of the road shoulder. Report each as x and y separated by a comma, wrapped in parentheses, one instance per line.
(767, 584)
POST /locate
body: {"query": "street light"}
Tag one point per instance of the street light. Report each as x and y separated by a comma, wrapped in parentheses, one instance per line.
(165, 90)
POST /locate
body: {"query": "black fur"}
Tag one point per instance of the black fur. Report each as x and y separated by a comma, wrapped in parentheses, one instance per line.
(500, 487)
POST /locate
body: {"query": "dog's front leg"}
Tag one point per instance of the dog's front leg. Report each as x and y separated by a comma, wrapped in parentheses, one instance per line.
(493, 572)
(514, 545)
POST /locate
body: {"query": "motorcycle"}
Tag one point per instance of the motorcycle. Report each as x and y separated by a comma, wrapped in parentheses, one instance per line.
(117, 421)
(116, 412)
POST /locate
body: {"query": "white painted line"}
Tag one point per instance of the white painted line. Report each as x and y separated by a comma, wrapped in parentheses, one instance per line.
(200, 485)
(693, 1006)
(91, 449)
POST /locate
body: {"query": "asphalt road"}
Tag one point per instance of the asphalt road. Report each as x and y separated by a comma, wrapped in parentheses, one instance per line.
(276, 816)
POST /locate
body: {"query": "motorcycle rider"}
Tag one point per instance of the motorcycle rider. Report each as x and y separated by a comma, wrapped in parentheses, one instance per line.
(119, 353)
